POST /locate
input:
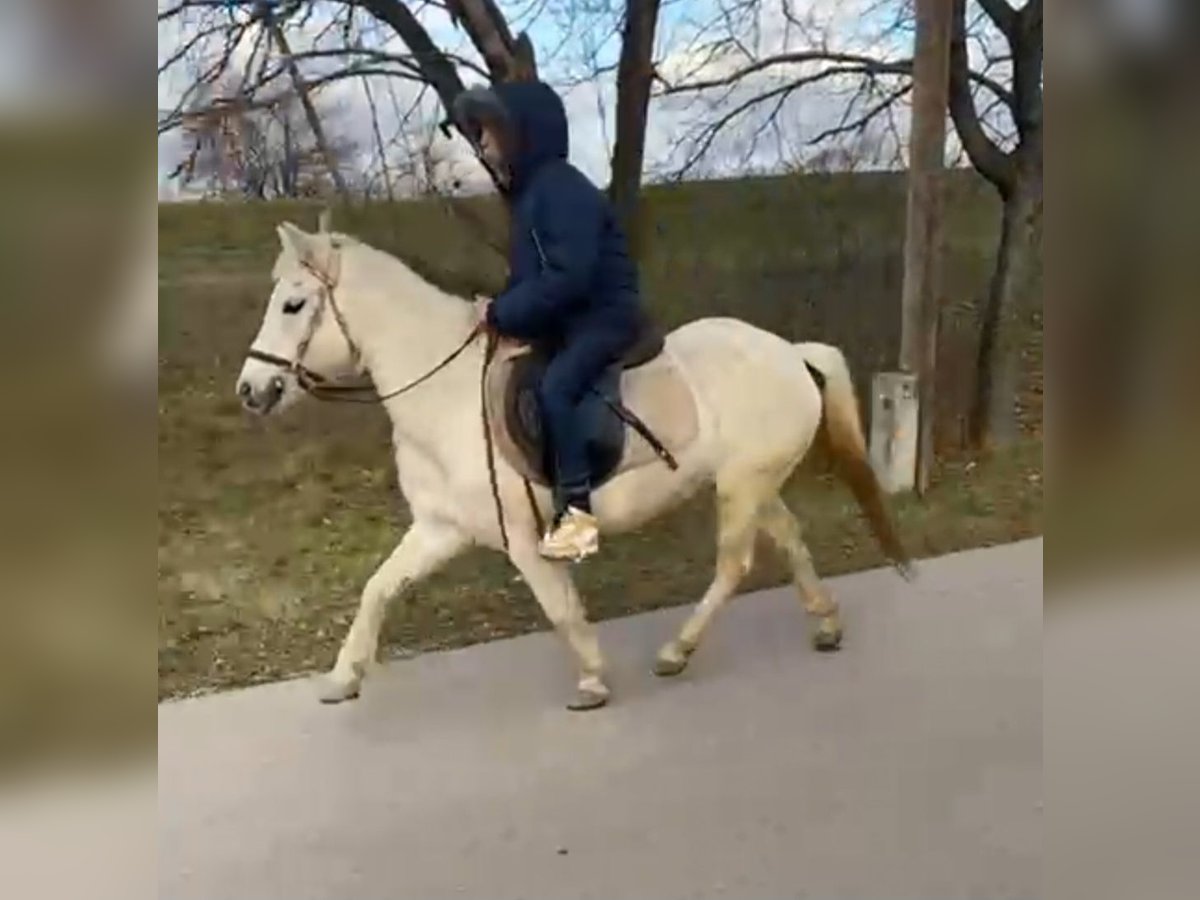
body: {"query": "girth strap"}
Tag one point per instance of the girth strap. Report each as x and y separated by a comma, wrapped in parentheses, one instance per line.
(630, 418)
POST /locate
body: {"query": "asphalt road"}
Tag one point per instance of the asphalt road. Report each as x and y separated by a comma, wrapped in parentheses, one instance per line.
(907, 766)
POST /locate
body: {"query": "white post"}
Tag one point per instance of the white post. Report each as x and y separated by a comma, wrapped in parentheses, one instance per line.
(895, 428)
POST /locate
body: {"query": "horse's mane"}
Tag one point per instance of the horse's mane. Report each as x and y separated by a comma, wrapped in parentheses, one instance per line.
(441, 274)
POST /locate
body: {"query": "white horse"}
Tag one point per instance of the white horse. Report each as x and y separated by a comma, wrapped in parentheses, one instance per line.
(341, 308)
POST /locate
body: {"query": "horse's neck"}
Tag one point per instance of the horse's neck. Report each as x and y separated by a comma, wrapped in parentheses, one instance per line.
(405, 327)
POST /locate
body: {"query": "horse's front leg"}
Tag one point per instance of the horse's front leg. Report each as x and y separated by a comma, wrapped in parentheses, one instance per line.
(423, 549)
(555, 591)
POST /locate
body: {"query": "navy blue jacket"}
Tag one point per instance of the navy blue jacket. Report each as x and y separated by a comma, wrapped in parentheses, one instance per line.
(570, 269)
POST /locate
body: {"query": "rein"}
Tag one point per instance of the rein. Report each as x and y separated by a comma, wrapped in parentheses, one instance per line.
(322, 388)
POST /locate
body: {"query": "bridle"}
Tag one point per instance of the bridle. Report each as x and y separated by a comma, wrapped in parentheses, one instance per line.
(322, 387)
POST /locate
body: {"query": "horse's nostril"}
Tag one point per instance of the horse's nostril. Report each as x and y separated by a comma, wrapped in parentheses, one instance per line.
(277, 384)
(243, 389)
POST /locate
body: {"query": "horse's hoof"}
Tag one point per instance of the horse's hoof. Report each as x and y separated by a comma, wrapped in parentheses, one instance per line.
(669, 668)
(332, 690)
(588, 698)
(671, 662)
(828, 637)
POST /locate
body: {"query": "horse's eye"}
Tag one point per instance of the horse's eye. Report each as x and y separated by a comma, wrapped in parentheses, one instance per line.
(291, 307)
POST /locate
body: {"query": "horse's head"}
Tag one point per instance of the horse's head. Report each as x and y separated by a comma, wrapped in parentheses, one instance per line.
(302, 335)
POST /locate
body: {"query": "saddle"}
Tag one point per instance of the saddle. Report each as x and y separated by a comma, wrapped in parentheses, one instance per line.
(640, 412)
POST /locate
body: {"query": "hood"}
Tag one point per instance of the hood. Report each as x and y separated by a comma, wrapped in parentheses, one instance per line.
(538, 126)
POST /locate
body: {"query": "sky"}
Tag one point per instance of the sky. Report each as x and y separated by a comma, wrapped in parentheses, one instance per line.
(565, 43)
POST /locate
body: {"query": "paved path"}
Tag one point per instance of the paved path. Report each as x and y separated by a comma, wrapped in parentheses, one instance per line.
(907, 766)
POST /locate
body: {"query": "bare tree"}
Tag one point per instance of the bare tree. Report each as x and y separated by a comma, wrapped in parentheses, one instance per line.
(1017, 176)
(212, 33)
(260, 151)
(343, 44)
(996, 108)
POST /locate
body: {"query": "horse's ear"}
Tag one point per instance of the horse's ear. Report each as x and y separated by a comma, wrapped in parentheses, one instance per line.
(294, 239)
(316, 251)
(325, 222)
(310, 249)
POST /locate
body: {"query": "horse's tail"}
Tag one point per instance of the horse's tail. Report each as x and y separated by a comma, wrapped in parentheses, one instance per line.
(841, 424)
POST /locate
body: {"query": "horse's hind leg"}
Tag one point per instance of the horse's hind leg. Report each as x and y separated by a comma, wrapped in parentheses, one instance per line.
(781, 526)
(738, 503)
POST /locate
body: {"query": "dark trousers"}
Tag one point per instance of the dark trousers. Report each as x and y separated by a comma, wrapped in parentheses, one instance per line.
(573, 370)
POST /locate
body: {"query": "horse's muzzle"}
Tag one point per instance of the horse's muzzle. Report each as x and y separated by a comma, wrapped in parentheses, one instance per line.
(261, 401)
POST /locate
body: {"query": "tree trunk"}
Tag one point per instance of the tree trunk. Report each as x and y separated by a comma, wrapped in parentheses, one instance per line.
(635, 74)
(489, 33)
(1005, 315)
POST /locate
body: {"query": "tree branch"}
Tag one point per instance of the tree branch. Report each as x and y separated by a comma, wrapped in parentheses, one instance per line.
(524, 59)
(488, 30)
(173, 11)
(360, 58)
(1003, 15)
(247, 102)
(862, 62)
(991, 162)
(206, 78)
(358, 71)
(189, 44)
(184, 5)
(866, 118)
(709, 133)
(868, 65)
(436, 68)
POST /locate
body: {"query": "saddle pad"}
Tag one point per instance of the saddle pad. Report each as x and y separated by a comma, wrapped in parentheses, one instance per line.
(655, 392)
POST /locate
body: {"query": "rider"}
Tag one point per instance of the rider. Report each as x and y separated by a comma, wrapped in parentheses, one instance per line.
(572, 289)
